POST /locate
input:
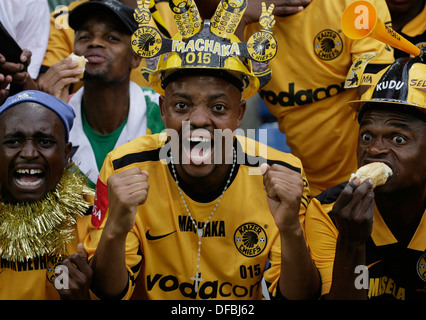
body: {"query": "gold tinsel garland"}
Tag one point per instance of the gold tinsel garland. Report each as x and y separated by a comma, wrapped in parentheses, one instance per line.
(31, 229)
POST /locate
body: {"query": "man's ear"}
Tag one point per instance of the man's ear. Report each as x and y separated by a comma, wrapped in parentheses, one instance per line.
(241, 112)
(68, 148)
(162, 104)
(136, 61)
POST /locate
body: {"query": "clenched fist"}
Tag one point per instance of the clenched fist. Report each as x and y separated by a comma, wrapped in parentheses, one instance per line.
(284, 188)
(126, 191)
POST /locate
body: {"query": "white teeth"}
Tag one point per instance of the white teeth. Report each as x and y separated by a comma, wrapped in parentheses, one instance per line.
(29, 171)
(199, 139)
(29, 183)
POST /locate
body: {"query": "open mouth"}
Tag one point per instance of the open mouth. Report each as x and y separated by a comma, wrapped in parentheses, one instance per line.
(198, 149)
(28, 177)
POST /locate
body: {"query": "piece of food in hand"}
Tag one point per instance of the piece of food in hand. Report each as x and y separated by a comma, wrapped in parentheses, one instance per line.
(376, 171)
(263, 168)
(81, 60)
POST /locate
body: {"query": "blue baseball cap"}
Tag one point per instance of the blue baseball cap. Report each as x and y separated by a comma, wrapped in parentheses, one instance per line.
(62, 109)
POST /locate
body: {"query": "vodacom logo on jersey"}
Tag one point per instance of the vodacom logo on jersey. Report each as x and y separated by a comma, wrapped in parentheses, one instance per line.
(207, 289)
(301, 97)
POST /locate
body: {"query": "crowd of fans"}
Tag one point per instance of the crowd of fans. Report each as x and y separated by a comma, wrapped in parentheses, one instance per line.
(304, 106)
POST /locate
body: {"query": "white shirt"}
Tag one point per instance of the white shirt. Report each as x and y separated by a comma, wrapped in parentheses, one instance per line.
(136, 126)
(28, 22)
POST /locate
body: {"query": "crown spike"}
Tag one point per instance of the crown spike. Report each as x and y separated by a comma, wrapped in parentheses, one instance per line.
(142, 14)
(187, 17)
(267, 19)
(227, 17)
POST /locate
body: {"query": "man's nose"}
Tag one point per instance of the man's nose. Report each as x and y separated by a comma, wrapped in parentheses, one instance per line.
(97, 41)
(199, 117)
(29, 151)
(377, 147)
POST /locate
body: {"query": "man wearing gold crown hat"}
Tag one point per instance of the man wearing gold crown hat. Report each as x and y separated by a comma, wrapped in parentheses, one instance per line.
(189, 213)
(42, 197)
(372, 243)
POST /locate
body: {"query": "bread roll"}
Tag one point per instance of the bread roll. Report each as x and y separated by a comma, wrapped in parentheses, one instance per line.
(376, 171)
(81, 63)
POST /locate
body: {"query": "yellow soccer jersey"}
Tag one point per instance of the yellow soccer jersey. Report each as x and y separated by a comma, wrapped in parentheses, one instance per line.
(34, 279)
(306, 92)
(395, 271)
(162, 248)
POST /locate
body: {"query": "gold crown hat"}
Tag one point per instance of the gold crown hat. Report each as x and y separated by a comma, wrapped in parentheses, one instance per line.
(206, 47)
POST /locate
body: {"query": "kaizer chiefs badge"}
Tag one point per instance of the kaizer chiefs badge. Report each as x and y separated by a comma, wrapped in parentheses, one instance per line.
(262, 46)
(328, 45)
(421, 267)
(146, 42)
(250, 239)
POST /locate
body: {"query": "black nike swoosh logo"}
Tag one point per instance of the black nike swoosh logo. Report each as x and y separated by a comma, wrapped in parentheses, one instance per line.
(150, 237)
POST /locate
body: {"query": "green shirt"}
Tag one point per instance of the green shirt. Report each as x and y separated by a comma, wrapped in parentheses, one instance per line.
(101, 144)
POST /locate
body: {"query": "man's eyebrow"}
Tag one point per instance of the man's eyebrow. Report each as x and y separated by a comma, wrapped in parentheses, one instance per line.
(365, 123)
(400, 125)
(40, 134)
(21, 134)
(182, 95)
(217, 95)
(14, 134)
(187, 96)
(395, 124)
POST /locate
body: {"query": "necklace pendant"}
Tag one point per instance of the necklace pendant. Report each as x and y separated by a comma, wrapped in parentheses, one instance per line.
(200, 232)
(197, 279)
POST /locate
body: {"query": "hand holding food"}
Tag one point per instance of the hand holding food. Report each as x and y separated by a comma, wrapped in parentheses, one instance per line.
(376, 171)
(81, 60)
